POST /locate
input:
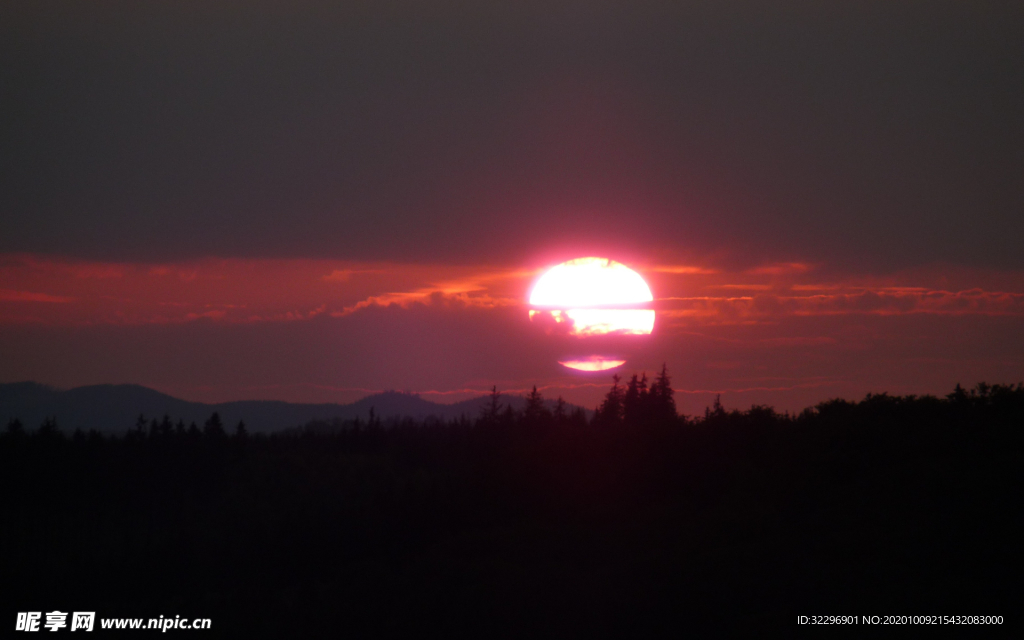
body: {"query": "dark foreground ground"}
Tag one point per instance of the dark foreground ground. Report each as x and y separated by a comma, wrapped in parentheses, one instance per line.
(530, 527)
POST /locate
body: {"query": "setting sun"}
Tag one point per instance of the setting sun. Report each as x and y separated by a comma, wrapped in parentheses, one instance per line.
(593, 297)
(589, 282)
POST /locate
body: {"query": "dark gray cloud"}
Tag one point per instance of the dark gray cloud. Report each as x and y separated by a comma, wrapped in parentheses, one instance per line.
(866, 134)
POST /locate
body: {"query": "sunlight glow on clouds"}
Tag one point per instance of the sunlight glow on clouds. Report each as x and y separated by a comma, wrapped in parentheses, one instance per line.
(586, 295)
(327, 324)
(41, 290)
(593, 322)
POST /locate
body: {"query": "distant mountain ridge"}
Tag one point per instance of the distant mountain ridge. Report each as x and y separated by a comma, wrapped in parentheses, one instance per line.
(111, 408)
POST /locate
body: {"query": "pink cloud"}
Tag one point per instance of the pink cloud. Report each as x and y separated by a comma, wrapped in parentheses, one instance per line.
(9, 295)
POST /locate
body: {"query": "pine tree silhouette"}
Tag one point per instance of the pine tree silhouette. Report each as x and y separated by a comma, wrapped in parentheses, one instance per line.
(214, 428)
(660, 399)
(166, 427)
(491, 411)
(15, 429)
(535, 413)
(508, 416)
(559, 416)
(717, 412)
(609, 413)
(48, 429)
(636, 400)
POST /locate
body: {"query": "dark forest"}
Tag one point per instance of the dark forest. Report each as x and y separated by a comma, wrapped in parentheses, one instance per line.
(537, 522)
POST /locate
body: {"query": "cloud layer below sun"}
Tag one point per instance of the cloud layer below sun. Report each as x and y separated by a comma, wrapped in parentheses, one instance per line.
(41, 290)
(789, 334)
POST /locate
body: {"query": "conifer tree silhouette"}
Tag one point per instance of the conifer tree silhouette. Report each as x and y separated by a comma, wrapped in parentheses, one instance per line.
(535, 413)
(636, 400)
(717, 412)
(559, 415)
(508, 416)
(48, 429)
(490, 412)
(15, 429)
(609, 413)
(661, 402)
(166, 426)
(214, 428)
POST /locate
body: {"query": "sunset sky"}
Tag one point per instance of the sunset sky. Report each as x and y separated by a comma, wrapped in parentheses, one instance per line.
(313, 201)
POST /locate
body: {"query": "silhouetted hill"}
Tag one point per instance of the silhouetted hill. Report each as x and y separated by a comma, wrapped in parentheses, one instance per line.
(27, 392)
(115, 408)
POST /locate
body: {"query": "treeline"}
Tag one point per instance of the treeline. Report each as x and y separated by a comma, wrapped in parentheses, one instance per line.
(635, 522)
(154, 430)
(637, 404)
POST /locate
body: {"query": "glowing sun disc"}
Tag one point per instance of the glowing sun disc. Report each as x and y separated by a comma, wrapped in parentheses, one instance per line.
(589, 282)
(579, 292)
